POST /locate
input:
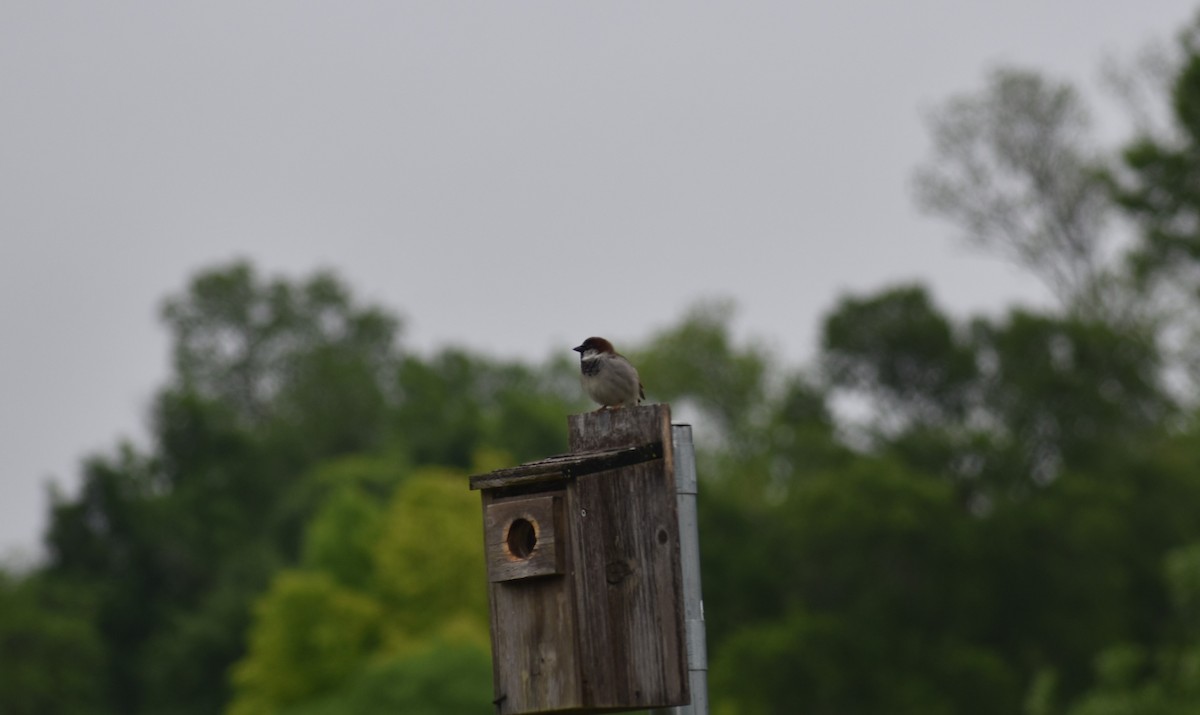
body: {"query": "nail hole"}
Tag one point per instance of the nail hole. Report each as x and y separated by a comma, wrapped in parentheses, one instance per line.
(522, 538)
(662, 536)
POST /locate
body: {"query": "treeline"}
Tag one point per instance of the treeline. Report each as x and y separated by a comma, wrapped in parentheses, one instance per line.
(1015, 528)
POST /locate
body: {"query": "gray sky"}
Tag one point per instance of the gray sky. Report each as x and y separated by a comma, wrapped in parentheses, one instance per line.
(511, 176)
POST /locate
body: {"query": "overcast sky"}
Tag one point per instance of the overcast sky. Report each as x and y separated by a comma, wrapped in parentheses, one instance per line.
(509, 176)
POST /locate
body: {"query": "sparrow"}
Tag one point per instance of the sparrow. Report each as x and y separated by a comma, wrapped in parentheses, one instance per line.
(607, 376)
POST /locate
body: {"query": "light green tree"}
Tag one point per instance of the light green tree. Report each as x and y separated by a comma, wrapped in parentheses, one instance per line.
(386, 593)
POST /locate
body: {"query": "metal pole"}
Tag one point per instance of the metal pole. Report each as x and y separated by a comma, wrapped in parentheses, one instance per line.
(689, 552)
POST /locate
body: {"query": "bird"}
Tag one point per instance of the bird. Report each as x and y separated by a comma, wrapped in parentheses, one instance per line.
(607, 376)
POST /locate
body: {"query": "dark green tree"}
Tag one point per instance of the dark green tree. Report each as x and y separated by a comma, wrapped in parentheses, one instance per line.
(995, 404)
(1156, 182)
(901, 352)
(699, 362)
(53, 658)
(455, 404)
(878, 598)
(271, 377)
(1070, 391)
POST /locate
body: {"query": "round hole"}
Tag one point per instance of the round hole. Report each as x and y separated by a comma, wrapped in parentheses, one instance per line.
(522, 538)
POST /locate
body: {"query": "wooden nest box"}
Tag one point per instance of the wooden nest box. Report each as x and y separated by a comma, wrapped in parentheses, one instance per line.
(584, 572)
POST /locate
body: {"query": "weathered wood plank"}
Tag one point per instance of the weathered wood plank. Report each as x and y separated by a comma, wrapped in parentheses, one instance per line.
(534, 627)
(628, 571)
(567, 466)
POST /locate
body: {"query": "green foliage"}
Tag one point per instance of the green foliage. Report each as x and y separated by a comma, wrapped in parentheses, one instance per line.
(1183, 585)
(456, 404)
(1155, 186)
(1071, 391)
(391, 598)
(177, 542)
(1072, 598)
(995, 405)
(899, 349)
(429, 558)
(883, 598)
(261, 346)
(346, 499)
(53, 659)
(698, 360)
(309, 635)
(190, 647)
(341, 536)
(826, 665)
(1131, 681)
(444, 676)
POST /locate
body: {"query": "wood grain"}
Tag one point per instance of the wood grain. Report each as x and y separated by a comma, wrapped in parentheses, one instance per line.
(626, 549)
(587, 614)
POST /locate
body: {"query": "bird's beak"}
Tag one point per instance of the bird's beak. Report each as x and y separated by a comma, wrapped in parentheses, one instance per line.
(579, 349)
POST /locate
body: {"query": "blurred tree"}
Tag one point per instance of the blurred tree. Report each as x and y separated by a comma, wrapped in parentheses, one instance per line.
(1056, 567)
(1041, 423)
(185, 661)
(899, 350)
(699, 361)
(1134, 681)
(1069, 391)
(445, 676)
(245, 341)
(744, 494)
(106, 540)
(341, 536)
(997, 404)
(309, 636)
(879, 598)
(1012, 165)
(455, 404)
(410, 587)
(52, 659)
(1155, 183)
(429, 559)
(271, 377)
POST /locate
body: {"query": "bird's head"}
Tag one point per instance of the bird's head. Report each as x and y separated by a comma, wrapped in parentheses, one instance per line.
(593, 347)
